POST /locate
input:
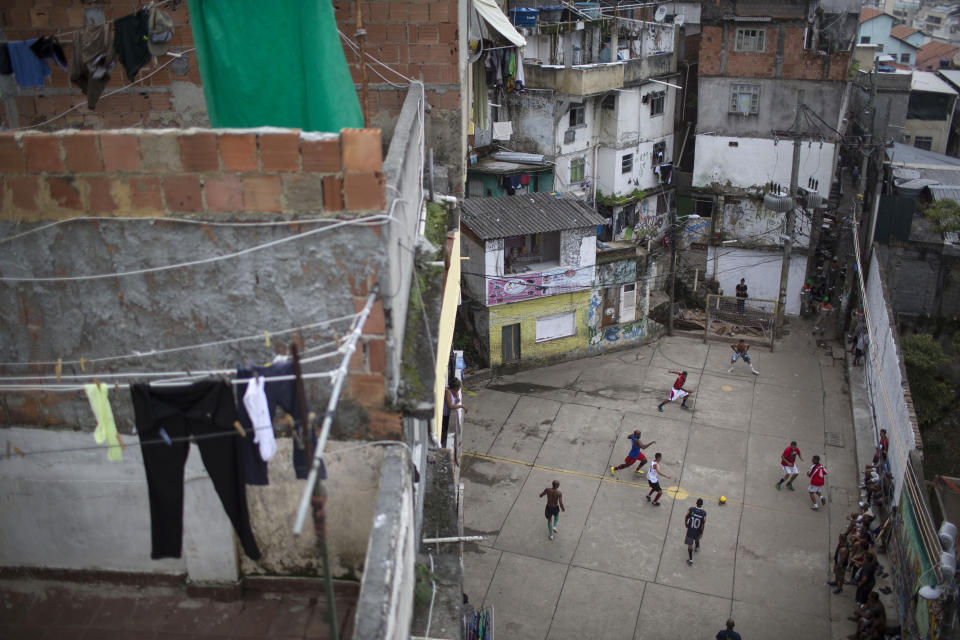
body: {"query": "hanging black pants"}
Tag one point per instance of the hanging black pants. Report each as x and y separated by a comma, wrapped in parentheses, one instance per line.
(200, 409)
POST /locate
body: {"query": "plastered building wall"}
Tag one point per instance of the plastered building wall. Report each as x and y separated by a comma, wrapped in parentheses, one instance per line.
(752, 163)
(526, 314)
(761, 269)
(886, 379)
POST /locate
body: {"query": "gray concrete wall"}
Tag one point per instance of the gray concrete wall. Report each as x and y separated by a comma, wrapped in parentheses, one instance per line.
(75, 510)
(777, 108)
(385, 606)
(886, 379)
(403, 168)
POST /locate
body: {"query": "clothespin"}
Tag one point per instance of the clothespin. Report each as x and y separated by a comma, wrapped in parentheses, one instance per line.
(8, 448)
(59, 369)
(18, 451)
(166, 437)
(239, 428)
(83, 368)
(266, 337)
(123, 447)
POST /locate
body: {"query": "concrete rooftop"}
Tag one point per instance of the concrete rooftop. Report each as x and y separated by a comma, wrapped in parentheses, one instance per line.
(617, 568)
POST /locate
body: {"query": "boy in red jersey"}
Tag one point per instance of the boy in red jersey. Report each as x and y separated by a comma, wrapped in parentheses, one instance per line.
(788, 462)
(677, 391)
(817, 475)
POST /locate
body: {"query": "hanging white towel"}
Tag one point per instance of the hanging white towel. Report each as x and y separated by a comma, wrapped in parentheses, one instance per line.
(502, 130)
(255, 401)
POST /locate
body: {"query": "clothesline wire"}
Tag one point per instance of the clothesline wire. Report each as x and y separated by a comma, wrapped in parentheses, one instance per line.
(182, 379)
(205, 436)
(76, 31)
(112, 92)
(97, 447)
(153, 219)
(367, 220)
(215, 343)
(149, 374)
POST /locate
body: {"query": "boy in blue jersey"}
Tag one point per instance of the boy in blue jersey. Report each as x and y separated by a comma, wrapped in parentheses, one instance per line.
(696, 522)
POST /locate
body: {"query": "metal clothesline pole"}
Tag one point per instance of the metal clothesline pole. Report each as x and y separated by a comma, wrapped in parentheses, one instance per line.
(339, 375)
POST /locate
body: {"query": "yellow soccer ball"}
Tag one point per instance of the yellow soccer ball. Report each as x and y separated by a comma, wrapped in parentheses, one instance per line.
(723, 499)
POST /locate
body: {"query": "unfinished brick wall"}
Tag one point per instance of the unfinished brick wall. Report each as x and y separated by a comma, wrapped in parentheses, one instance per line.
(798, 63)
(189, 172)
(147, 104)
(417, 38)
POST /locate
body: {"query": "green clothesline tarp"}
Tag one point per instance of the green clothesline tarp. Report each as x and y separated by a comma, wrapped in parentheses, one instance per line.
(275, 64)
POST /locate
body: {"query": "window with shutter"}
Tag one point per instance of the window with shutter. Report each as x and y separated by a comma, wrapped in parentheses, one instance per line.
(628, 303)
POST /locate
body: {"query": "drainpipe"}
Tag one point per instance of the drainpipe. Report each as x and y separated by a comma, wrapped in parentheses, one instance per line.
(593, 172)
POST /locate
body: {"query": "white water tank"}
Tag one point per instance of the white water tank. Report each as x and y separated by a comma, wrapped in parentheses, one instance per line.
(948, 536)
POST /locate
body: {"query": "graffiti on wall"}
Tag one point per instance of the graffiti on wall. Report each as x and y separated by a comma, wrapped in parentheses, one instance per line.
(536, 285)
(906, 554)
(601, 337)
(619, 272)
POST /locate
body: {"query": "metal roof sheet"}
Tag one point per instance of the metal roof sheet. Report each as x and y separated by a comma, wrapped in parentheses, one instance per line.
(946, 193)
(516, 215)
(928, 81)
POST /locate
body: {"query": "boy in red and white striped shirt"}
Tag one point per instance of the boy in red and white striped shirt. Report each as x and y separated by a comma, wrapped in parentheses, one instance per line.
(817, 475)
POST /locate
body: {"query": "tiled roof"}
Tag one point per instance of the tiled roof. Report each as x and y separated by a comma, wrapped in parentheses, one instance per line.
(524, 213)
(869, 14)
(933, 52)
(902, 31)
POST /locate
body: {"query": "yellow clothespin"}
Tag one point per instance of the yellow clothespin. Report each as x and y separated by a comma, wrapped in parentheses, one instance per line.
(239, 428)
(83, 368)
(18, 451)
(59, 368)
(266, 337)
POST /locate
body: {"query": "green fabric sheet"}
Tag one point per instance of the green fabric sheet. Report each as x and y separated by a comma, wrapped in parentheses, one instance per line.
(273, 64)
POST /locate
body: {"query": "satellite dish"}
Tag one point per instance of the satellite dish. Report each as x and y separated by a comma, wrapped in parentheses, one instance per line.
(678, 20)
(661, 13)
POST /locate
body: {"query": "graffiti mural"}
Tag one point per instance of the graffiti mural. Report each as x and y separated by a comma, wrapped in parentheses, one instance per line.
(536, 285)
(600, 337)
(619, 272)
(910, 569)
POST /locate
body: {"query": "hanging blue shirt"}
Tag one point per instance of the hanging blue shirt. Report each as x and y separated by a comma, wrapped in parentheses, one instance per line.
(29, 70)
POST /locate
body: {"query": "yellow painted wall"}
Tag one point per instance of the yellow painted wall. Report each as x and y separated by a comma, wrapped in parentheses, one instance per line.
(448, 317)
(526, 313)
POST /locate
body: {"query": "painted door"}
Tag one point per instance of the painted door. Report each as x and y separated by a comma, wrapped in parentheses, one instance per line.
(609, 316)
(510, 341)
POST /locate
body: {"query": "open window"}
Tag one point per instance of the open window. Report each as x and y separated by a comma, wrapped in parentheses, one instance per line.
(531, 252)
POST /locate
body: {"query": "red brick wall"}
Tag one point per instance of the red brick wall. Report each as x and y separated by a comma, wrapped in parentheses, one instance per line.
(798, 64)
(418, 38)
(175, 172)
(147, 104)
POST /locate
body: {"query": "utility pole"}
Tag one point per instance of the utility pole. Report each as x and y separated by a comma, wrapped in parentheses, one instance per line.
(673, 268)
(791, 222)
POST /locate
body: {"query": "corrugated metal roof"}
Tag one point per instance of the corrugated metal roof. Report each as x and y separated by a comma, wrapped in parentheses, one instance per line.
(524, 213)
(946, 193)
(928, 81)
